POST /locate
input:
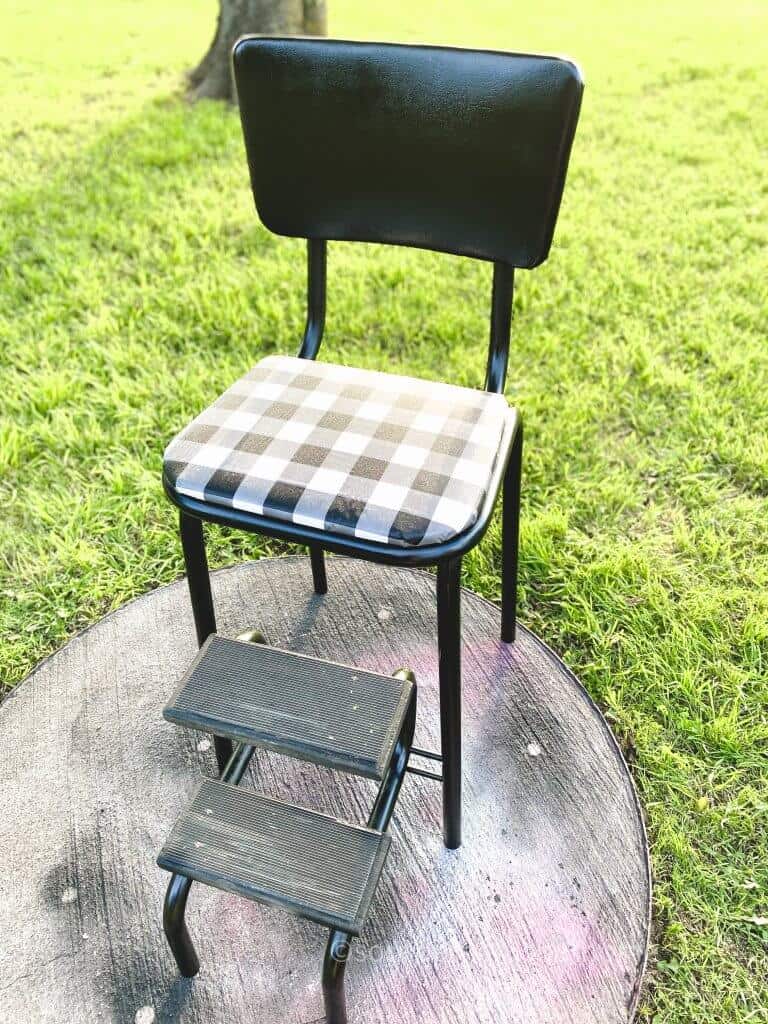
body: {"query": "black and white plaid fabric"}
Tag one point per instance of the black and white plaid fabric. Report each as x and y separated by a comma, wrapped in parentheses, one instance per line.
(354, 452)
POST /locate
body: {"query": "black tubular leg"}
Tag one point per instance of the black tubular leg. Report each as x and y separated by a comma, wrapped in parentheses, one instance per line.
(223, 750)
(510, 539)
(386, 798)
(199, 581)
(175, 928)
(175, 905)
(320, 580)
(449, 644)
(334, 966)
(337, 950)
(198, 578)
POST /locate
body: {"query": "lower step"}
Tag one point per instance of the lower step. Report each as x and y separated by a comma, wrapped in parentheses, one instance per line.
(307, 863)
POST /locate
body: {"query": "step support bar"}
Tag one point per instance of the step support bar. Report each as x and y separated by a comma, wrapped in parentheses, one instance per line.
(337, 950)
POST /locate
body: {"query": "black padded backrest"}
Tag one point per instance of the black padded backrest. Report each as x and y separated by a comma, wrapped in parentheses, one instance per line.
(464, 151)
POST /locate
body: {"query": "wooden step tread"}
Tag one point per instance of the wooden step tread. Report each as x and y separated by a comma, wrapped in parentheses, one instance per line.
(315, 710)
(307, 863)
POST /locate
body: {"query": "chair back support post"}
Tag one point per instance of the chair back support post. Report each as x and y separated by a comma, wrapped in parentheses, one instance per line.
(316, 288)
(501, 326)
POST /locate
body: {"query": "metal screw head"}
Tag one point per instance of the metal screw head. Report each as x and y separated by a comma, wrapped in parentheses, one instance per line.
(252, 636)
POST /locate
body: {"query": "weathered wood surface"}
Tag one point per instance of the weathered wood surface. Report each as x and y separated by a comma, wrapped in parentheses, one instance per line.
(540, 918)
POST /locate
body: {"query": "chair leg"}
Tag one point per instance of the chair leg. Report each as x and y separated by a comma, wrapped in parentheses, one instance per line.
(334, 966)
(317, 558)
(199, 581)
(198, 578)
(175, 927)
(449, 644)
(510, 534)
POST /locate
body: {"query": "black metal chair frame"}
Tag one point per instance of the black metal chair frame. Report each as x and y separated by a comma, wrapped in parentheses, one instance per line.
(527, 250)
(339, 942)
(447, 557)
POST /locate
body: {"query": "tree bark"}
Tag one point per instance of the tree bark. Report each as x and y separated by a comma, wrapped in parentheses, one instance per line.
(212, 78)
(315, 18)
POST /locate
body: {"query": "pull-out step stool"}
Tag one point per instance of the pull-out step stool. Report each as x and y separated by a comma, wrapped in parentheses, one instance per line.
(308, 863)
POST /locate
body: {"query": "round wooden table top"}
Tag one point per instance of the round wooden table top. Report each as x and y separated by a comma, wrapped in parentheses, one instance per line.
(541, 917)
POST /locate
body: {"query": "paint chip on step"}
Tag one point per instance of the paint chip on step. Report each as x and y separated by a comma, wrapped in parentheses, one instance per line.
(384, 614)
(145, 1015)
(204, 745)
(69, 895)
(533, 749)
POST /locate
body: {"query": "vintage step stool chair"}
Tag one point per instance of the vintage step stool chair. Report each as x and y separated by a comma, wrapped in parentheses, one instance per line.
(308, 863)
(455, 150)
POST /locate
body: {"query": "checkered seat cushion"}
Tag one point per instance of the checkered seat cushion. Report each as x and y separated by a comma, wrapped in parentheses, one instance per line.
(351, 452)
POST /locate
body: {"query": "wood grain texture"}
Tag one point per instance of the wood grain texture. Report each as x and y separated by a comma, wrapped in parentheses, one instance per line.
(540, 918)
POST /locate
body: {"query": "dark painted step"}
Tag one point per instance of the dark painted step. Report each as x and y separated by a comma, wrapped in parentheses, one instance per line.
(307, 863)
(315, 710)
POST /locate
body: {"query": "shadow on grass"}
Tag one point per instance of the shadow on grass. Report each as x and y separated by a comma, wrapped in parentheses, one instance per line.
(98, 203)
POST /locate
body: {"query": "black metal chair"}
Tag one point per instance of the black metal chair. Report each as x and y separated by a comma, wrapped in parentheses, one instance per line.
(461, 151)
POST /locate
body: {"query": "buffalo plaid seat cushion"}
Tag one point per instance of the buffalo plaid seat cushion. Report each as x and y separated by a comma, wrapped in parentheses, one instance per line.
(351, 452)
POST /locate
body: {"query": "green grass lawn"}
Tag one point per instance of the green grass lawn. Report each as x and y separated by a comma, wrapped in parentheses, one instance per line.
(136, 282)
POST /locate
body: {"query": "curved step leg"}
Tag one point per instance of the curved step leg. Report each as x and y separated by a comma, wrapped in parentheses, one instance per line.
(175, 927)
(334, 967)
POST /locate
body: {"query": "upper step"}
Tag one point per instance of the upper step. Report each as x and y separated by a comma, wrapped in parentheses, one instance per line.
(308, 863)
(311, 709)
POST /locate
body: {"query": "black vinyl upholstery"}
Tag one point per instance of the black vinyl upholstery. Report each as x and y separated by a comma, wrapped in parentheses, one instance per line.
(463, 151)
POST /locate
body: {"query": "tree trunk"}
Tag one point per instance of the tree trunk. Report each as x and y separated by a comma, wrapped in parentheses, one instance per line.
(212, 78)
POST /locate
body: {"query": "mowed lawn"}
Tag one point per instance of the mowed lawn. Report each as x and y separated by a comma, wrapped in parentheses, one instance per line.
(136, 282)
